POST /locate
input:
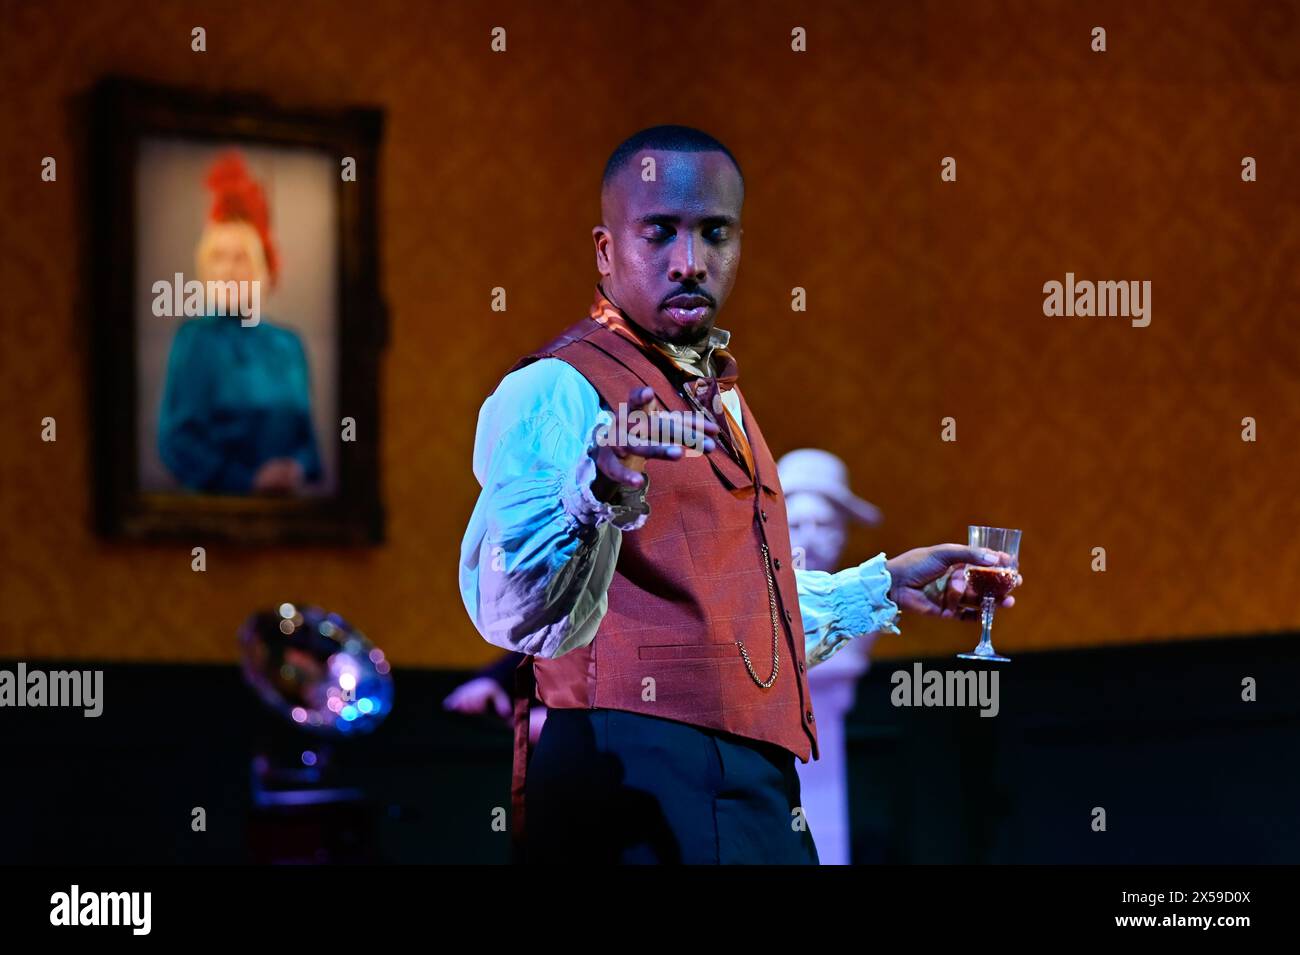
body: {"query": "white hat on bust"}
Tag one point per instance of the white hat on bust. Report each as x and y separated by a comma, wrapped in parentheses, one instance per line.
(812, 470)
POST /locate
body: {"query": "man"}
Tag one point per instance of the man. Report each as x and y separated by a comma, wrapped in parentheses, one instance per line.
(667, 629)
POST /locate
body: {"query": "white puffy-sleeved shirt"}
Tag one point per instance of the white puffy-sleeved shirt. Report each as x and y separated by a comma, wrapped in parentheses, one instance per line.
(540, 550)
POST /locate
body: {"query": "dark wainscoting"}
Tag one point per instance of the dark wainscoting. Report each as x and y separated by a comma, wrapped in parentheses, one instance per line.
(1157, 735)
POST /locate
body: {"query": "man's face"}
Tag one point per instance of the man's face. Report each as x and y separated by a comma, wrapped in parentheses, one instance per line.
(668, 250)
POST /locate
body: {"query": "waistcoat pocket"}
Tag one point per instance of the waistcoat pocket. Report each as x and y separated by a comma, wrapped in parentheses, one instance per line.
(688, 651)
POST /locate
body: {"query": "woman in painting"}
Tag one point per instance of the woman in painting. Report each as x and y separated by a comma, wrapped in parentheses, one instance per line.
(236, 407)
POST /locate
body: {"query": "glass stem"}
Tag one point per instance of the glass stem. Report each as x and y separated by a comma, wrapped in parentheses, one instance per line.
(986, 621)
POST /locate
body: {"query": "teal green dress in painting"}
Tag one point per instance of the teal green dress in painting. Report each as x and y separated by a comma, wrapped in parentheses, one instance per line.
(235, 398)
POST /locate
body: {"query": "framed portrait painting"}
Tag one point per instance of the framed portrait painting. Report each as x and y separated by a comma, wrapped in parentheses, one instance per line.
(237, 318)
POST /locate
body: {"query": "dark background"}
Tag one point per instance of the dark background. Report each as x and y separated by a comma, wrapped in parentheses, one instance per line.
(1157, 736)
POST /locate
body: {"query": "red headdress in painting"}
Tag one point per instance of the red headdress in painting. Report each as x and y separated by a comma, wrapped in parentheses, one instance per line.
(237, 197)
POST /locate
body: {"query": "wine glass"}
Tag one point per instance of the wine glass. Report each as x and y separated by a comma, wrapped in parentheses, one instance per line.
(992, 584)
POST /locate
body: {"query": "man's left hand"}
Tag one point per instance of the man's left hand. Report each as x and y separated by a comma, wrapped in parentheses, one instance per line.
(930, 580)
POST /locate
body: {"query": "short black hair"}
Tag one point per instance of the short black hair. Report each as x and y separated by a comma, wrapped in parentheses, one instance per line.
(676, 139)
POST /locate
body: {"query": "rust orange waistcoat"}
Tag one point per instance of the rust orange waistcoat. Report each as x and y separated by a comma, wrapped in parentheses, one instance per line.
(691, 582)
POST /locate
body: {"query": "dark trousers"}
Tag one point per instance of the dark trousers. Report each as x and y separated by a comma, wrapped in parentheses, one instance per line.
(608, 786)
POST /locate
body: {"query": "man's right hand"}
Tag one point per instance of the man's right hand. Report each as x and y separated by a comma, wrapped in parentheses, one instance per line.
(622, 462)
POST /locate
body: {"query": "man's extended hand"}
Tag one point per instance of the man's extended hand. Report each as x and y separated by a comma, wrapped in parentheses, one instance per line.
(930, 581)
(624, 462)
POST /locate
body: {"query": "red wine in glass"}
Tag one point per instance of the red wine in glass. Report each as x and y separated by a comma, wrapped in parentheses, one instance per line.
(995, 582)
(992, 584)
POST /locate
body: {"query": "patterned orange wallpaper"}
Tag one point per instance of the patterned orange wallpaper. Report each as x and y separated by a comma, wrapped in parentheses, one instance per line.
(925, 297)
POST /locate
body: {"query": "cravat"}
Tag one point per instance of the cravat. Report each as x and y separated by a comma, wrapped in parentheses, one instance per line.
(703, 391)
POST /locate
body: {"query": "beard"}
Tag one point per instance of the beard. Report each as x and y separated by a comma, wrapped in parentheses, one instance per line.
(689, 336)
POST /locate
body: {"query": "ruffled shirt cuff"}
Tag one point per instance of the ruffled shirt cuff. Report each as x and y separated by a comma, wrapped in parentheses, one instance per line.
(840, 607)
(876, 582)
(628, 511)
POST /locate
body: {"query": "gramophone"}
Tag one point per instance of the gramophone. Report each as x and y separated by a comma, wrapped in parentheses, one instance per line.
(328, 683)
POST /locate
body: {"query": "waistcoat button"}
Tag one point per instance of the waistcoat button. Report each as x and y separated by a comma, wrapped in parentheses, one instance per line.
(789, 617)
(776, 562)
(809, 716)
(763, 514)
(800, 666)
